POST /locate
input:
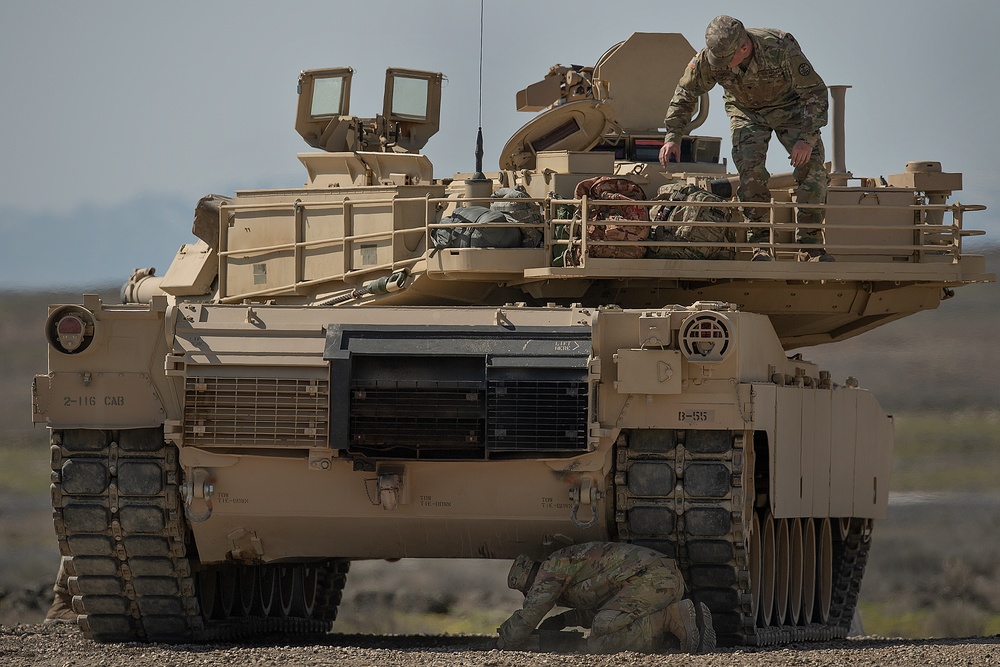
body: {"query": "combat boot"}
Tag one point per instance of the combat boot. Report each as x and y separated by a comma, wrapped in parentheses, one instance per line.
(692, 625)
(61, 610)
(682, 622)
(706, 628)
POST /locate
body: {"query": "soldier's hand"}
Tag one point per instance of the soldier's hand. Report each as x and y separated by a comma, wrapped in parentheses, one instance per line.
(671, 149)
(507, 638)
(801, 152)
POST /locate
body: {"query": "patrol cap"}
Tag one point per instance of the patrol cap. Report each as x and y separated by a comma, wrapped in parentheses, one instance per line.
(723, 37)
(520, 572)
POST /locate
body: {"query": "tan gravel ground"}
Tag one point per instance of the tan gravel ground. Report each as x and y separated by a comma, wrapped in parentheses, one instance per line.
(34, 645)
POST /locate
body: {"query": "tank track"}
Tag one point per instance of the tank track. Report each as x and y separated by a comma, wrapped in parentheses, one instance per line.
(132, 570)
(682, 492)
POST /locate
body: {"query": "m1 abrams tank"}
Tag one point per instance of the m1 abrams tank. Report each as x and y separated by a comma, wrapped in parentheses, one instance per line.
(369, 367)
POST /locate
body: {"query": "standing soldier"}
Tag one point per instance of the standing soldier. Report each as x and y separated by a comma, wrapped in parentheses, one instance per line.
(628, 596)
(769, 87)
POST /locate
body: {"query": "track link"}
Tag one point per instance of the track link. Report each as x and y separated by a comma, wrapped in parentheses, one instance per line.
(132, 572)
(684, 493)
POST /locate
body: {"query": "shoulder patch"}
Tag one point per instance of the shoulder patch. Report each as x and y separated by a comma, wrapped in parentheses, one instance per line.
(805, 69)
(693, 64)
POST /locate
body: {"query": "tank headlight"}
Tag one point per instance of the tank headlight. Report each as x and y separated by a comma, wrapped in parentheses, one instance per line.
(70, 329)
(705, 337)
(69, 332)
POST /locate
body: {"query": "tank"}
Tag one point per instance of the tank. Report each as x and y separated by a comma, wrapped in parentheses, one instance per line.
(385, 364)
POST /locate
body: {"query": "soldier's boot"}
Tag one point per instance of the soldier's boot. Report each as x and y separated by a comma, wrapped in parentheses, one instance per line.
(682, 622)
(61, 610)
(706, 628)
(692, 625)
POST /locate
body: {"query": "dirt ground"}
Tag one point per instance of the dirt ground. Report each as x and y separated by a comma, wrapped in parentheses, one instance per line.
(25, 646)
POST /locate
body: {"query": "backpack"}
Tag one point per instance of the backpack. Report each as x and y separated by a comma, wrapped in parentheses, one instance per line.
(614, 188)
(520, 211)
(476, 237)
(674, 213)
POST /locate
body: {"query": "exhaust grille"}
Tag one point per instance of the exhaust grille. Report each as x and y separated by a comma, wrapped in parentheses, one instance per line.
(442, 415)
(458, 393)
(537, 415)
(256, 412)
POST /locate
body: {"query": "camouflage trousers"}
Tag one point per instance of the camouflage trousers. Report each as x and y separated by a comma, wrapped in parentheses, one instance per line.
(750, 140)
(633, 620)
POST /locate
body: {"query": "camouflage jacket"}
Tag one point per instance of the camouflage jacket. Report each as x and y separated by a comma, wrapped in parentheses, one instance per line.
(775, 86)
(583, 576)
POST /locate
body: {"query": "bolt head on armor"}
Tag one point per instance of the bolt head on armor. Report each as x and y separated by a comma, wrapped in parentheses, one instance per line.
(723, 37)
(519, 573)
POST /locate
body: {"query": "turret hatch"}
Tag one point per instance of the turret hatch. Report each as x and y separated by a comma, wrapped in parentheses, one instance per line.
(577, 126)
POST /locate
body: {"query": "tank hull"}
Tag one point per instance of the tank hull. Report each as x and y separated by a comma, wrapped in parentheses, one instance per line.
(290, 435)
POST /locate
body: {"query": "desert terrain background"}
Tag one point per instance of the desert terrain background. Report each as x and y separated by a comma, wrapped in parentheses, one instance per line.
(934, 569)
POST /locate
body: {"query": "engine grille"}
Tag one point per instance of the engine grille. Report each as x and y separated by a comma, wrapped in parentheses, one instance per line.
(445, 416)
(256, 412)
(537, 415)
(458, 392)
(469, 421)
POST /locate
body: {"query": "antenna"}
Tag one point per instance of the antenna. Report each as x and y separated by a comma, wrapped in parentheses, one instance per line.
(479, 137)
(480, 187)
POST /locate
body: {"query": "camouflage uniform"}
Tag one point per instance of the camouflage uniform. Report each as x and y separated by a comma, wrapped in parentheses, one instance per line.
(774, 90)
(620, 589)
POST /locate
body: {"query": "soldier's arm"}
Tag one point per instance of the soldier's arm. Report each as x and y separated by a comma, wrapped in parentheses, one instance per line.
(695, 82)
(812, 93)
(541, 597)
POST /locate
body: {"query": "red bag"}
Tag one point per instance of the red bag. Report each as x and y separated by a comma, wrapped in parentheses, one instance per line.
(613, 188)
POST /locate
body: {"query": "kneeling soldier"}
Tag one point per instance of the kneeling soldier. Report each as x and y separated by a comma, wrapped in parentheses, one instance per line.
(629, 596)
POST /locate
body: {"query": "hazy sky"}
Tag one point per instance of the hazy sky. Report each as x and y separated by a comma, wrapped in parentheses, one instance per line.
(124, 105)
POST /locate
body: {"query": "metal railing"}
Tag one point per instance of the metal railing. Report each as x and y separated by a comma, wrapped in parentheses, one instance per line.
(925, 238)
(571, 237)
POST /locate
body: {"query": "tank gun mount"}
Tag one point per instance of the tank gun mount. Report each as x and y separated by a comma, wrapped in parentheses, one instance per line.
(411, 111)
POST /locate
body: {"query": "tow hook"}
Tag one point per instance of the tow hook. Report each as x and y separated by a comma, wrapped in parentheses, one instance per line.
(198, 486)
(389, 486)
(585, 494)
